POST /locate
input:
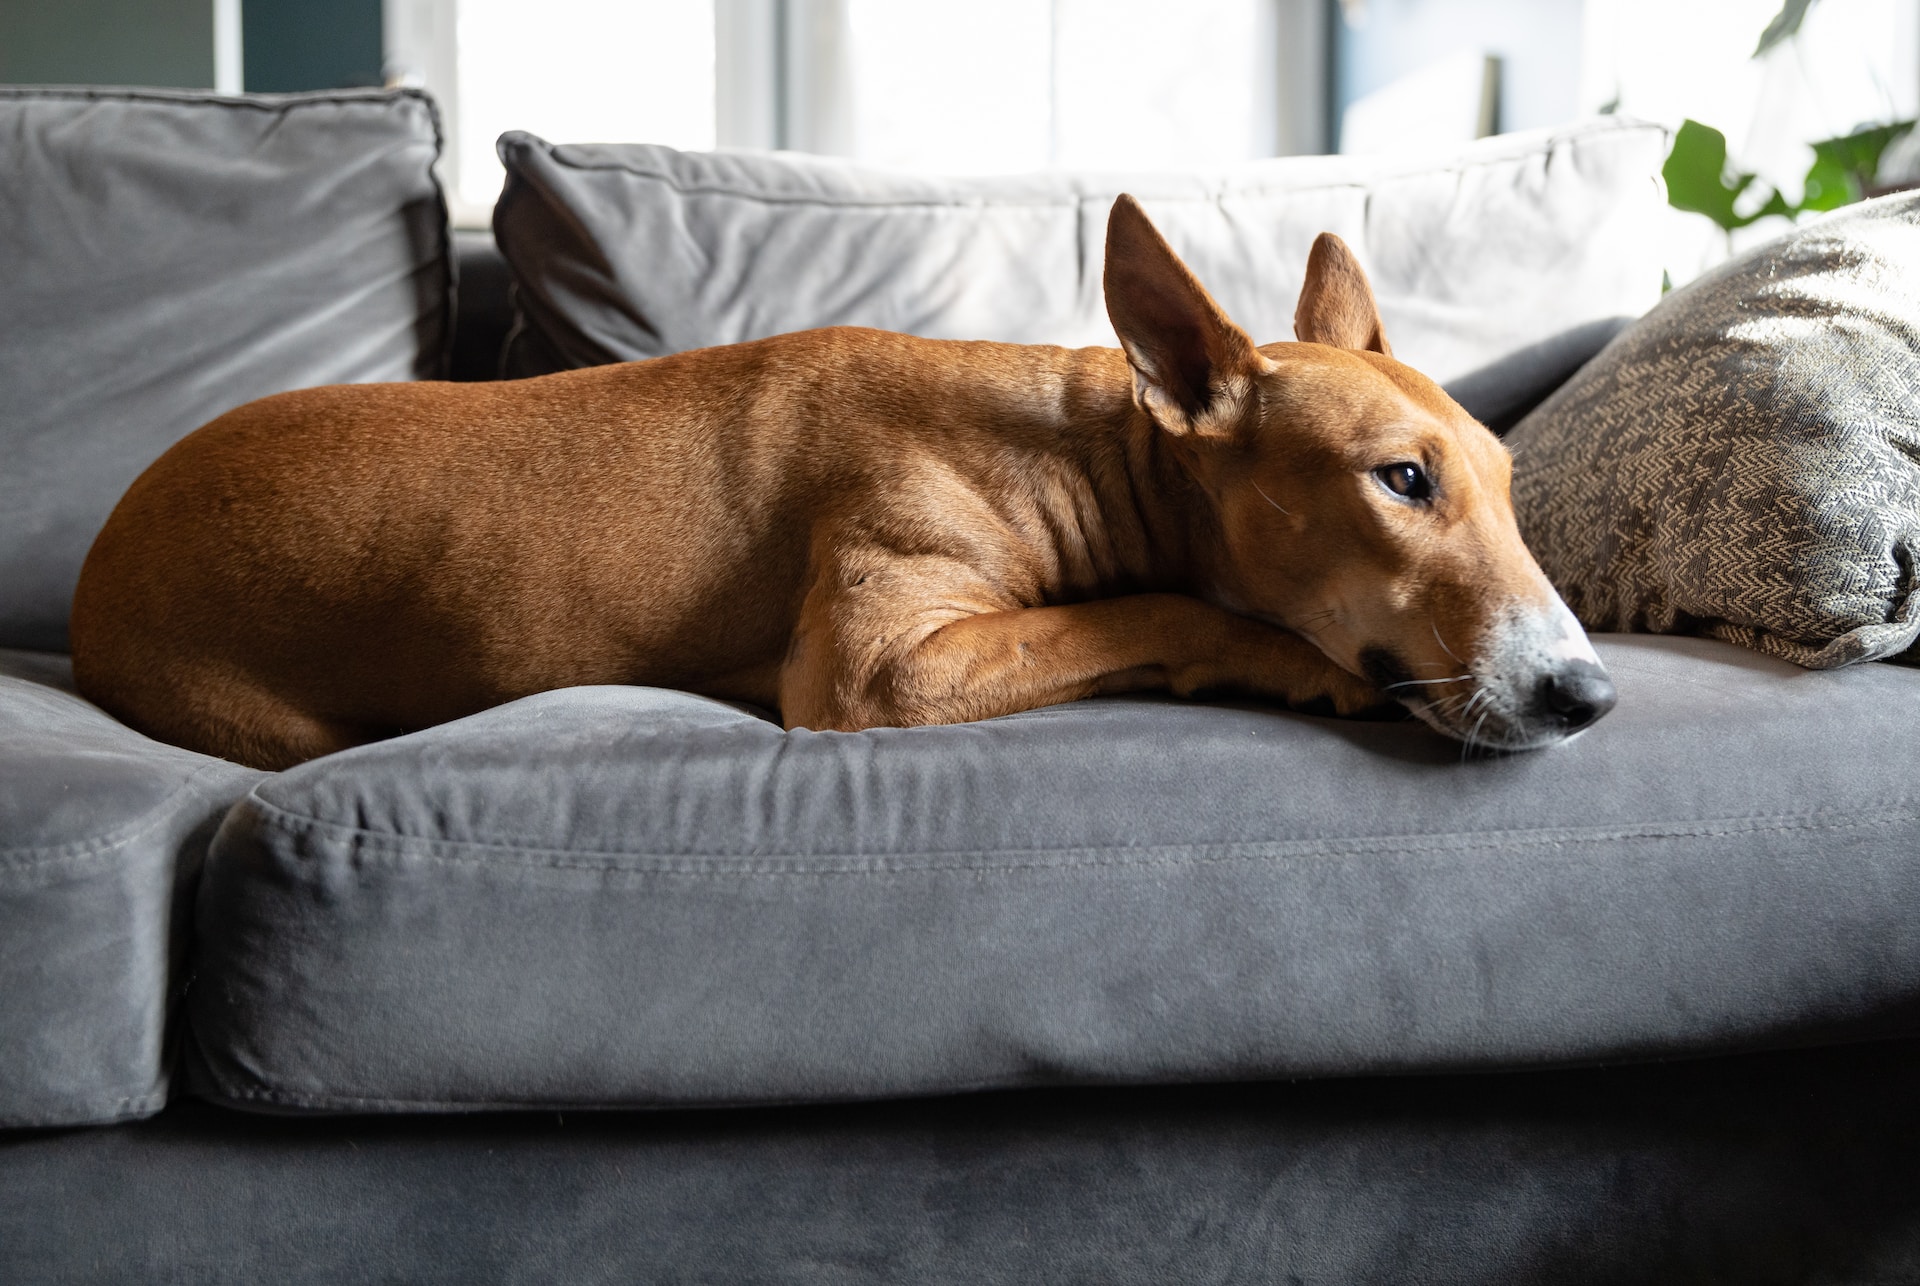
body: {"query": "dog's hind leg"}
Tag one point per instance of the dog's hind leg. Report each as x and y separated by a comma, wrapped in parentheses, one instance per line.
(284, 737)
(231, 718)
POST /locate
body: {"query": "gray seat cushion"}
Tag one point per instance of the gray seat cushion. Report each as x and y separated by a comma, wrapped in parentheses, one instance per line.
(619, 896)
(101, 833)
(169, 256)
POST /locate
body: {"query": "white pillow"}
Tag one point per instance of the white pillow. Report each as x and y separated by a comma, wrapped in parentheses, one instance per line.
(1487, 257)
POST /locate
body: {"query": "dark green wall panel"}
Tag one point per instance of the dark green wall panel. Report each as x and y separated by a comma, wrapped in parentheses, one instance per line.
(311, 44)
(112, 42)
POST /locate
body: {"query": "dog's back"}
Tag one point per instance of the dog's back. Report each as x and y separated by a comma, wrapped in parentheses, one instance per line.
(398, 555)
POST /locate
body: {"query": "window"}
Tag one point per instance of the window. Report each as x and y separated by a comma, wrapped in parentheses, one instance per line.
(990, 86)
(1010, 85)
(580, 71)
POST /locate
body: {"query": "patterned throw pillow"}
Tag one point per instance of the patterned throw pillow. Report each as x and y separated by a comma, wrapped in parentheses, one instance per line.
(1744, 461)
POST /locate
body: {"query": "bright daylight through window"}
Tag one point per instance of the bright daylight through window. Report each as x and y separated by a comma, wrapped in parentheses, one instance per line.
(994, 86)
(587, 71)
(1011, 85)
(1003, 86)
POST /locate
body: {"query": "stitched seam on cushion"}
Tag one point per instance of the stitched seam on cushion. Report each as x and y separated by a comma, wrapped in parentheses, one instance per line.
(1074, 200)
(326, 1100)
(22, 859)
(1067, 202)
(152, 1100)
(75, 93)
(467, 852)
(296, 1098)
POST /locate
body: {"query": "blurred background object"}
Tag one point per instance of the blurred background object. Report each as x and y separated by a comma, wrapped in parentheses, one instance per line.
(1442, 105)
(1409, 67)
(995, 86)
(169, 43)
(292, 45)
(1771, 77)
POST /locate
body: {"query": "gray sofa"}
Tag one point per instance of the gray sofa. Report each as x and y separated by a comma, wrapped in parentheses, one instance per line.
(1255, 996)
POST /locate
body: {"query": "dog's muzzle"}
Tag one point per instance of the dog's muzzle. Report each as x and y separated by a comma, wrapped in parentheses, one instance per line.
(1535, 681)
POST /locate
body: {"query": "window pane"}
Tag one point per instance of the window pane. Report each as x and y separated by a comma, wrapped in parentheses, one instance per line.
(581, 71)
(995, 86)
(955, 88)
(1148, 85)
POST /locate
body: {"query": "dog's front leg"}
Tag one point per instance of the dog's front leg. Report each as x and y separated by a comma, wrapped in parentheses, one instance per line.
(948, 668)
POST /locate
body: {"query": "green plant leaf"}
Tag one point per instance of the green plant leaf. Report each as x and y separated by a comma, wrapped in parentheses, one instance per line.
(1785, 25)
(1698, 179)
(1774, 204)
(1844, 168)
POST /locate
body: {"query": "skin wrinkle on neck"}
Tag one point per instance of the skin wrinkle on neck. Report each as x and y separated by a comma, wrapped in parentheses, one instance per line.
(1104, 521)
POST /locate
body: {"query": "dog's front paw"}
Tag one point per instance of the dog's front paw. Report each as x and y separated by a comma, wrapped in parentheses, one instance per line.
(1246, 657)
(1348, 697)
(1345, 696)
(1281, 667)
(1211, 680)
(1358, 699)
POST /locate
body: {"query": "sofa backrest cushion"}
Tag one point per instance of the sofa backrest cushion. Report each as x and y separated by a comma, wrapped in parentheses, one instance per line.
(169, 256)
(1497, 268)
(1744, 461)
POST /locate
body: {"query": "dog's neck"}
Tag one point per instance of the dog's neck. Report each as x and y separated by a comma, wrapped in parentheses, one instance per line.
(1127, 517)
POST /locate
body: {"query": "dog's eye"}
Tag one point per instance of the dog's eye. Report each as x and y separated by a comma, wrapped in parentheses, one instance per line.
(1404, 479)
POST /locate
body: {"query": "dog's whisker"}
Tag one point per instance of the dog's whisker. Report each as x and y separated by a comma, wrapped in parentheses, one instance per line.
(1451, 678)
(1270, 500)
(1473, 737)
(1470, 739)
(1442, 642)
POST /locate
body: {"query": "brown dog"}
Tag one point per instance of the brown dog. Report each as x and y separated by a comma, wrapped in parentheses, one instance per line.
(853, 527)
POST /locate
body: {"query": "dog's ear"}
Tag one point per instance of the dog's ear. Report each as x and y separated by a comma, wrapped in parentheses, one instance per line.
(1193, 368)
(1336, 305)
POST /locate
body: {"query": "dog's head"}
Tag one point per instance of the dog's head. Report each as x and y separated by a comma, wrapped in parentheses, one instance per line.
(1355, 503)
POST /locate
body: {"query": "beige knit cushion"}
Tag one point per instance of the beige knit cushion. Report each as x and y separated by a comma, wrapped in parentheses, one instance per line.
(1744, 461)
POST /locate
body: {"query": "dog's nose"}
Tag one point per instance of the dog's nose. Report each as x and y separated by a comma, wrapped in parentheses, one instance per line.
(1576, 694)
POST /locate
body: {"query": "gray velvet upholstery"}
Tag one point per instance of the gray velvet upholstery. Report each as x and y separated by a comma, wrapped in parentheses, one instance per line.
(618, 896)
(484, 313)
(169, 256)
(1761, 1170)
(101, 834)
